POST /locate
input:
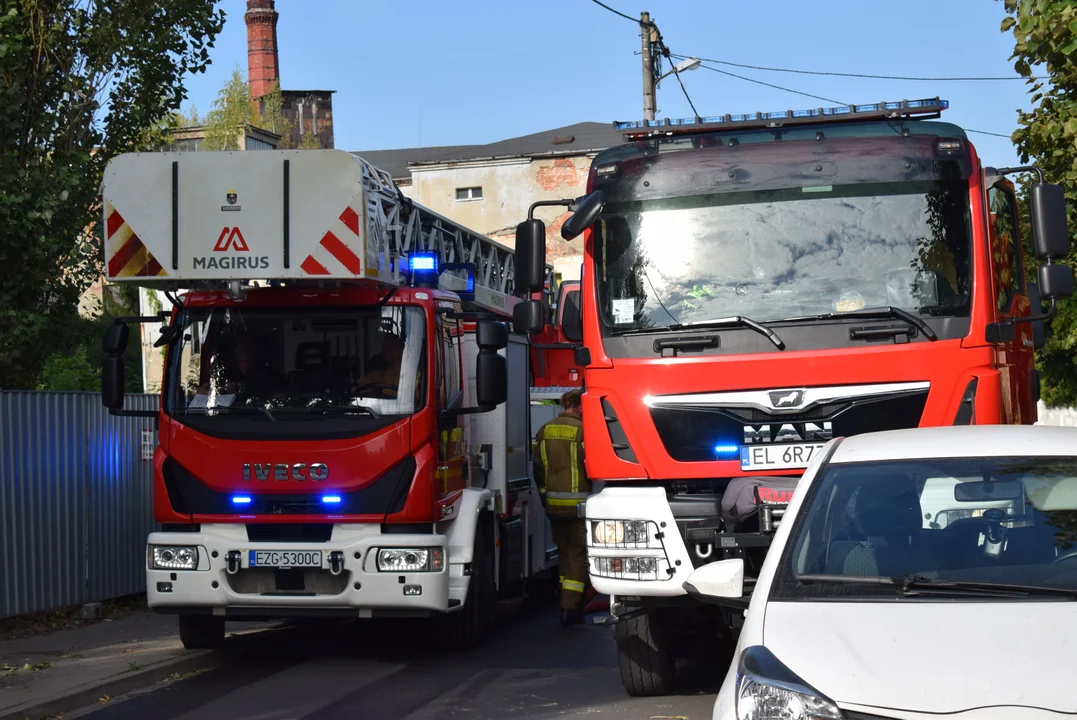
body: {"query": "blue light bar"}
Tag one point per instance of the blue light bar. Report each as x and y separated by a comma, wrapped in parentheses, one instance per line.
(423, 263)
(241, 499)
(331, 499)
(884, 110)
(726, 451)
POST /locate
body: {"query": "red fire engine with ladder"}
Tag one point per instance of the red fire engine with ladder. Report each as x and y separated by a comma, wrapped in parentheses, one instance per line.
(343, 428)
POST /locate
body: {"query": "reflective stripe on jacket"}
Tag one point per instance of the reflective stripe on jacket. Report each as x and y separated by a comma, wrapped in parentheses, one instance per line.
(559, 471)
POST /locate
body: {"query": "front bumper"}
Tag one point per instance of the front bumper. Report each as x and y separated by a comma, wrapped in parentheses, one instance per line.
(669, 551)
(357, 590)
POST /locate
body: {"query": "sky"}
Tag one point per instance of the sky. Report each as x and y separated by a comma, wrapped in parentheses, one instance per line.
(432, 72)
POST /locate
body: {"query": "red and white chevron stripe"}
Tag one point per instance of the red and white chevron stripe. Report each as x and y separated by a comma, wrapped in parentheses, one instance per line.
(339, 250)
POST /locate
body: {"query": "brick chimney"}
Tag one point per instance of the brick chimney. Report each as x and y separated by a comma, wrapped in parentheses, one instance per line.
(263, 69)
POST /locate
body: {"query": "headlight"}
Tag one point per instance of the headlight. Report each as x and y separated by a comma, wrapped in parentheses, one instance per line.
(768, 690)
(173, 557)
(619, 532)
(411, 560)
(629, 568)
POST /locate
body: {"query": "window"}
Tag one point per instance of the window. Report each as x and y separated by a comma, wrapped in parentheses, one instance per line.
(1005, 245)
(449, 356)
(468, 193)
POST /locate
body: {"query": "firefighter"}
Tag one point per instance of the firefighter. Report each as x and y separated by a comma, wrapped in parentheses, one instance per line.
(562, 485)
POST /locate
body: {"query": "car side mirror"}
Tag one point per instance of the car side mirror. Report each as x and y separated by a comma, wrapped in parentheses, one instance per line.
(1050, 234)
(530, 253)
(587, 211)
(719, 579)
(491, 335)
(1055, 281)
(115, 340)
(528, 317)
(491, 378)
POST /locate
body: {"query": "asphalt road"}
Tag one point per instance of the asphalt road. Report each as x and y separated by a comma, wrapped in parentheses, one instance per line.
(528, 668)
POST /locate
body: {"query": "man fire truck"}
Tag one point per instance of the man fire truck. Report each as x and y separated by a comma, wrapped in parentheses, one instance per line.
(756, 285)
(350, 438)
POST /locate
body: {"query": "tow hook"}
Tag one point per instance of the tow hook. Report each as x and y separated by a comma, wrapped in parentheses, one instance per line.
(233, 558)
(336, 562)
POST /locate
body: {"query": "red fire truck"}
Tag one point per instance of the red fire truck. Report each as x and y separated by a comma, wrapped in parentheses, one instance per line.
(343, 428)
(756, 285)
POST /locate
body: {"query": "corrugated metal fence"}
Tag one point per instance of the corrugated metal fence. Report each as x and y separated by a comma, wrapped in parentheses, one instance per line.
(75, 500)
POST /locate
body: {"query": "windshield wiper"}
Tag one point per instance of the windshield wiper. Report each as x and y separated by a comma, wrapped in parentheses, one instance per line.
(876, 312)
(730, 322)
(915, 583)
(347, 409)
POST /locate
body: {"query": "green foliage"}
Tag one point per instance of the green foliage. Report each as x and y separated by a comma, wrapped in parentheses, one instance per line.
(80, 82)
(310, 141)
(234, 109)
(70, 372)
(1045, 34)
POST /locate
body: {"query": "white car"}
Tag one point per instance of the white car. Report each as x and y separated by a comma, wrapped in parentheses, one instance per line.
(868, 607)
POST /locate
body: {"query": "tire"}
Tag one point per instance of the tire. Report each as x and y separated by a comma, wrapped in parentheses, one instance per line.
(644, 656)
(466, 628)
(201, 632)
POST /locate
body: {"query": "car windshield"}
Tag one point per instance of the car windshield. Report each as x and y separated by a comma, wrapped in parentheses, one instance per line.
(1009, 521)
(314, 362)
(775, 254)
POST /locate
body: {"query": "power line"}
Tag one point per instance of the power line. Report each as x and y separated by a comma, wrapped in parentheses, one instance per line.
(859, 75)
(770, 85)
(992, 134)
(617, 12)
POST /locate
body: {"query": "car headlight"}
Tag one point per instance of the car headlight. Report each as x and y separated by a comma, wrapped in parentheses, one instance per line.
(411, 560)
(173, 557)
(768, 690)
(619, 532)
(629, 568)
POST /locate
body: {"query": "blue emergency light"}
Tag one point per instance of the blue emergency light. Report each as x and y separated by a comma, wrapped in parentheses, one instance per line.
(241, 499)
(331, 499)
(871, 111)
(726, 451)
(423, 263)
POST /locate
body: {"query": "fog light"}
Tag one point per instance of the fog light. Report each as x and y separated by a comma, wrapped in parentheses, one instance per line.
(173, 557)
(628, 568)
(411, 559)
(413, 590)
(164, 587)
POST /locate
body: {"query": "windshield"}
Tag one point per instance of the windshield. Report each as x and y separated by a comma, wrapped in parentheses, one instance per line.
(781, 253)
(1009, 521)
(310, 362)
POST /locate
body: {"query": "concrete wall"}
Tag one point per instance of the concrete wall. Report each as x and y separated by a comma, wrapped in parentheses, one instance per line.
(1064, 417)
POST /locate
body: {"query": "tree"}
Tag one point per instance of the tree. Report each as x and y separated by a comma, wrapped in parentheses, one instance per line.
(80, 82)
(1045, 34)
(234, 108)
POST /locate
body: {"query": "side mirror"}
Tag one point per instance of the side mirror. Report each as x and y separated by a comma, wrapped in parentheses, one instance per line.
(1056, 281)
(112, 382)
(1050, 235)
(115, 341)
(587, 211)
(530, 256)
(571, 320)
(719, 579)
(491, 379)
(529, 316)
(491, 335)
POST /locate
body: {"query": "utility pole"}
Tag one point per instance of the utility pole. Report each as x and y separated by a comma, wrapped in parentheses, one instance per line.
(647, 35)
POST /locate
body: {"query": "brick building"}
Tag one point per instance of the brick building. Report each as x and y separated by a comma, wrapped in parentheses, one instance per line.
(308, 111)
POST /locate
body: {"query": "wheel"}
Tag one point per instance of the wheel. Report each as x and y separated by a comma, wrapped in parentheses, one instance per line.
(644, 654)
(467, 627)
(201, 632)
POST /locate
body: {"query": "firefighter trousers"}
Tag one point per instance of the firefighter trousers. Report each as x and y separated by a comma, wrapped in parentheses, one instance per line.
(568, 534)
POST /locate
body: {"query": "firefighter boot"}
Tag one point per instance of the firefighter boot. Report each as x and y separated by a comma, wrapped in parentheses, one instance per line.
(571, 617)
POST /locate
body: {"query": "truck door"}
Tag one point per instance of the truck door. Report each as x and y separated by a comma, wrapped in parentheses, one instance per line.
(1015, 360)
(452, 446)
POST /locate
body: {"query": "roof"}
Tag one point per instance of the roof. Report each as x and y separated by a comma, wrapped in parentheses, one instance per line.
(959, 441)
(585, 137)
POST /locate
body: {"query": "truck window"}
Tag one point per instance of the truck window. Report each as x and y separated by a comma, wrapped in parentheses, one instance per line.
(316, 362)
(1005, 246)
(449, 351)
